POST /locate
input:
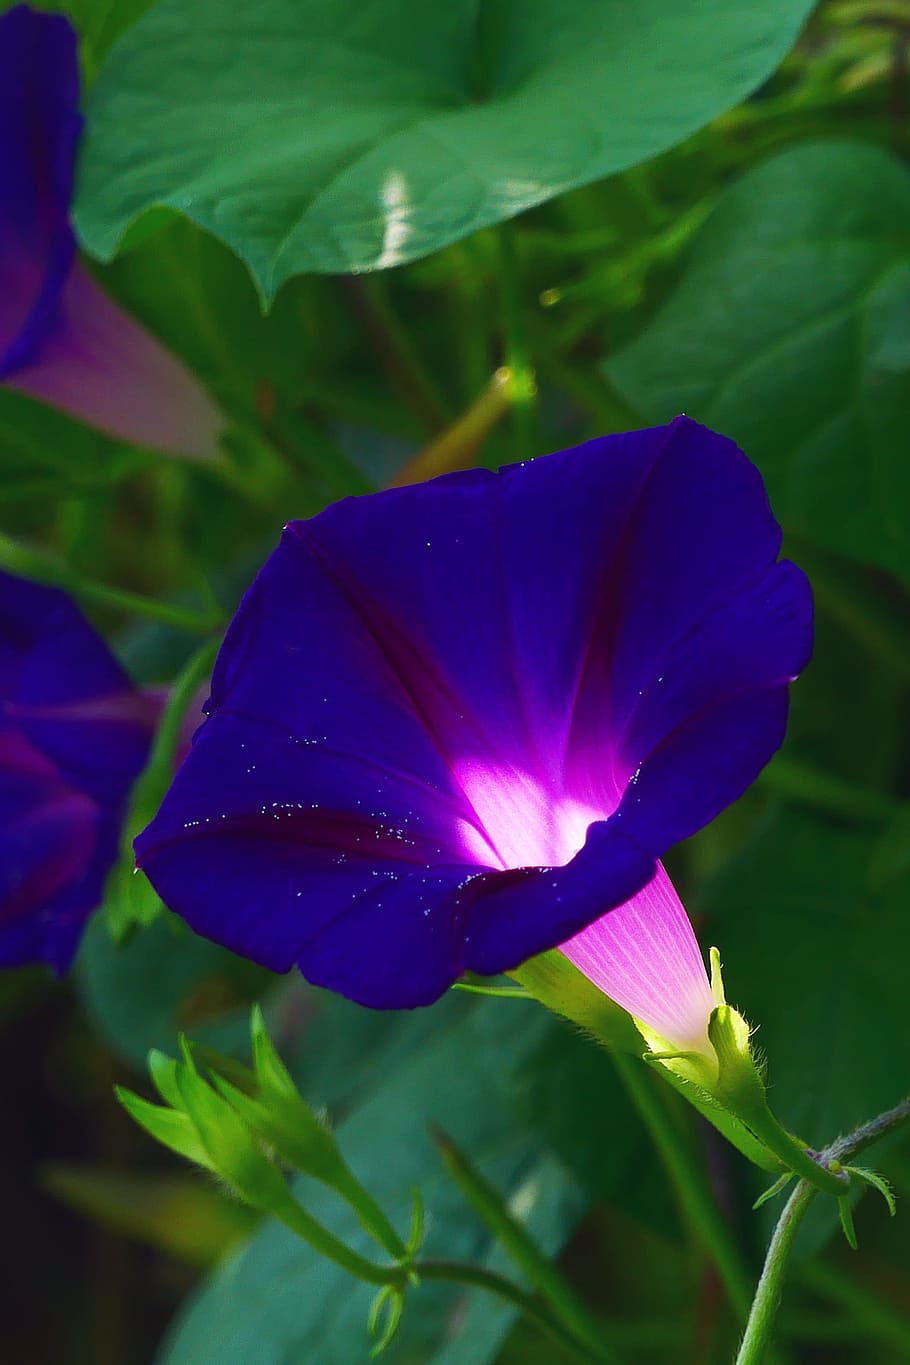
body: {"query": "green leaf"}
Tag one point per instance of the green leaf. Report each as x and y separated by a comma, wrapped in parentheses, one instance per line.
(98, 22)
(790, 331)
(42, 451)
(279, 1302)
(816, 958)
(815, 954)
(141, 993)
(362, 136)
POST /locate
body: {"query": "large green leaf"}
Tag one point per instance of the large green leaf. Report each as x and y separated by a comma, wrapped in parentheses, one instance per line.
(790, 331)
(314, 137)
(98, 22)
(278, 1302)
(813, 927)
(140, 994)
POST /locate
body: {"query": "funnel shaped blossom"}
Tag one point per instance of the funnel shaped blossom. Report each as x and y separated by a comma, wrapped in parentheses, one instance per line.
(452, 725)
(645, 956)
(62, 340)
(74, 734)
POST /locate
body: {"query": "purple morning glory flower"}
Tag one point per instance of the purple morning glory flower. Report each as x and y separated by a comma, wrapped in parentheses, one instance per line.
(74, 735)
(453, 724)
(62, 340)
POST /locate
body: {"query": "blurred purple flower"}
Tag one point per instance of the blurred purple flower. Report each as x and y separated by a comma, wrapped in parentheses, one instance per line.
(453, 724)
(62, 340)
(74, 735)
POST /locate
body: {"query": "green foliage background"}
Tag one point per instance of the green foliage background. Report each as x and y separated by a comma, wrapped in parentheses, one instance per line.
(314, 204)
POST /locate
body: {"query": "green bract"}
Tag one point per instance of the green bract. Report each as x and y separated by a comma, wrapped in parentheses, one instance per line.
(314, 137)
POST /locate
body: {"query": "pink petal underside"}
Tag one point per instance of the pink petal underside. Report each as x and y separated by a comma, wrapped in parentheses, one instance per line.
(644, 955)
(102, 367)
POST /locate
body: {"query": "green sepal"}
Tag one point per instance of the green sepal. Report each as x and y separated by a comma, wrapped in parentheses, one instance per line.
(270, 1106)
(877, 1182)
(385, 1316)
(416, 1230)
(553, 980)
(271, 1072)
(291, 1128)
(728, 1125)
(163, 1071)
(739, 1086)
(558, 984)
(777, 1188)
(170, 1127)
(234, 1153)
(847, 1224)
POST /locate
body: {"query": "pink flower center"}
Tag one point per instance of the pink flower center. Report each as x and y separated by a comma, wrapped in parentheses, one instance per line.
(520, 822)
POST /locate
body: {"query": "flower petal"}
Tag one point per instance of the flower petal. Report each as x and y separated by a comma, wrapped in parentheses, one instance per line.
(645, 956)
(62, 340)
(50, 877)
(39, 129)
(585, 655)
(99, 365)
(74, 735)
(64, 691)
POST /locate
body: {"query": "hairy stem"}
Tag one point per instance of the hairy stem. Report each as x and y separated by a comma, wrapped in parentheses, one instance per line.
(768, 1293)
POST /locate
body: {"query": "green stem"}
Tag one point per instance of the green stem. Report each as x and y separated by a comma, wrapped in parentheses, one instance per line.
(825, 1175)
(513, 1237)
(476, 1277)
(687, 1179)
(517, 351)
(500, 992)
(45, 568)
(369, 1214)
(396, 352)
(845, 1148)
(767, 1294)
(323, 1241)
(457, 1272)
(187, 684)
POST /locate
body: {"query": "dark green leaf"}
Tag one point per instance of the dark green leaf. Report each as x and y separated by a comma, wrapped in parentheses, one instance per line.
(164, 979)
(315, 137)
(790, 331)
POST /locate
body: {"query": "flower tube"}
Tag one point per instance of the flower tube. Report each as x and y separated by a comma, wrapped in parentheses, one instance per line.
(644, 955)
(62, 339)
(452, 725)
(74, 735)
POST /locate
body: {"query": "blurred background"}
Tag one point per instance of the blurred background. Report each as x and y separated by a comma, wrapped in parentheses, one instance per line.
(754, 273)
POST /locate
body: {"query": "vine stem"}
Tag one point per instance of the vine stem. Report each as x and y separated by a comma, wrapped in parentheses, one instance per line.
(515, 1240)
(517, 351)
(767, 1295)
(45, 568)
(477, 1277)
(768, 1292)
